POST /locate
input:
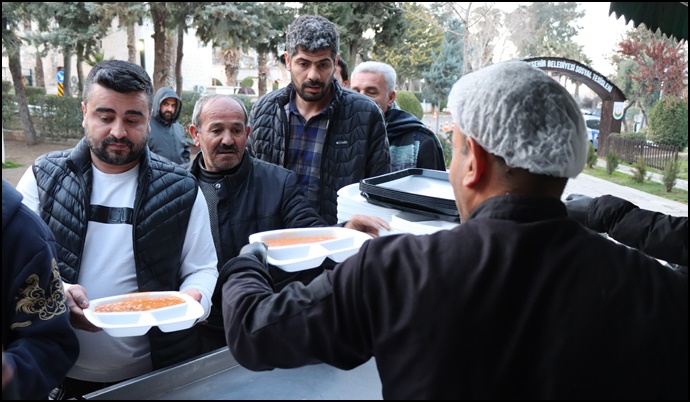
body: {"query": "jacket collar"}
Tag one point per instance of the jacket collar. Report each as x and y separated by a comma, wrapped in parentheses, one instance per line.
(400, 122)
(523, 208)
(231, 179)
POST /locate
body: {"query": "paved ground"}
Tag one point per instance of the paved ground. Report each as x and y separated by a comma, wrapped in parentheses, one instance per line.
(19, 152)
(594, 187)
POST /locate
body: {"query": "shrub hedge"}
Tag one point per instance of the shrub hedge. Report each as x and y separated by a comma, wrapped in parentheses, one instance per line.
(58, 118)
(408, 102)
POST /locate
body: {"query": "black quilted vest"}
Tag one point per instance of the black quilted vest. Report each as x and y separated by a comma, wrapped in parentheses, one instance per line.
(162, 207)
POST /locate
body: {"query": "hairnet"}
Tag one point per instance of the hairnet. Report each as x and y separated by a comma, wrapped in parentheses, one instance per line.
(516, 111)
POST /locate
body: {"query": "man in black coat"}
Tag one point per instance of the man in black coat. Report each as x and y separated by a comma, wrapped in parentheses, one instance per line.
(246, 195)
(517, 302)
(412, 144)
(328, 136)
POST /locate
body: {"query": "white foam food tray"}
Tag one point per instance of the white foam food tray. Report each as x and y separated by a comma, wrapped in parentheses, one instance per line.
(136, 323)
(351, 202)
(299, 249)
(418, 224)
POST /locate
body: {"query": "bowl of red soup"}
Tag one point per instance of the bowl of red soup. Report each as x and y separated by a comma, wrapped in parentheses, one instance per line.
(304, 248)
(133, 314)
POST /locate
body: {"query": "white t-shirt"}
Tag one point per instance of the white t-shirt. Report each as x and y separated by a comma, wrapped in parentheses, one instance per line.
(108, 269)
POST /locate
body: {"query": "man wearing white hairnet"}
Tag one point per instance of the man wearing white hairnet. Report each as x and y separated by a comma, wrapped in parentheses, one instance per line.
(517, 302)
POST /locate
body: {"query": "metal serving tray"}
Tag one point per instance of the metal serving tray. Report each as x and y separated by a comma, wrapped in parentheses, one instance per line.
(217, 376)
(421, 191)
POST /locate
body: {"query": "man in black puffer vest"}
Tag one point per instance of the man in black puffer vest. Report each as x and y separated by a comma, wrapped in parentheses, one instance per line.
(125, 220)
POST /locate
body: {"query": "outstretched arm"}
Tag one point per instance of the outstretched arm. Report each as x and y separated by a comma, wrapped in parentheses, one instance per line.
(656, 234)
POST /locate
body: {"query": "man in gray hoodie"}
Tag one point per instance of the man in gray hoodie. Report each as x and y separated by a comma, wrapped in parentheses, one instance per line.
(167, 137)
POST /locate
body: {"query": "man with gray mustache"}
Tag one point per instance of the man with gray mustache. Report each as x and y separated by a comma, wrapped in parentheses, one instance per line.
(246, 195)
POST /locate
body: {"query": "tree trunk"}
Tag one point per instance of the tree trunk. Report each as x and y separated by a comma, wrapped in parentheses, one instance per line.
(284, 74)
(14, 60)
(171, 56)
(466, 58)
(352, 57)
(40, 76)
(131, 44)
(67, 68)
(231, 58)
(263, 72)
(80, 70)
(180, 54)
(161, 62)
(623, 122)
(644, 116)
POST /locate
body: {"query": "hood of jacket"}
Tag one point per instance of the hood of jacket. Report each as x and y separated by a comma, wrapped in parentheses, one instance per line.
(163, 94)
(11, 200)
(399, 122)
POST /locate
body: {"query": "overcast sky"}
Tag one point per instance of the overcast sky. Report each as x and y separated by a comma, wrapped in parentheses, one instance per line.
(599, 36)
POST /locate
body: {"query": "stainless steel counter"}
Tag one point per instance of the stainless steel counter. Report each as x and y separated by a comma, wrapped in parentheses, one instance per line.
(217, 375)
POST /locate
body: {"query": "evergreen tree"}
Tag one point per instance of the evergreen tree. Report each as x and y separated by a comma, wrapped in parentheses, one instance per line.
(446, 68)
(668, 122)
(412, 53)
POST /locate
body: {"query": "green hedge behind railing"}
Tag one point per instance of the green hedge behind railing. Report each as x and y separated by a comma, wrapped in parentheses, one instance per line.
(53, 117)
(59, 118)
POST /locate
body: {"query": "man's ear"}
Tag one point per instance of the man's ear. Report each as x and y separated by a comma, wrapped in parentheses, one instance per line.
(287, 61)
(391, 98)
(194, 133)
(477, 160)
(83, 115)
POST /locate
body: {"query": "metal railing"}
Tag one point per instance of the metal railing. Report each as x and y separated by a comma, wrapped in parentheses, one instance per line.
(27, 74)
(654, 155)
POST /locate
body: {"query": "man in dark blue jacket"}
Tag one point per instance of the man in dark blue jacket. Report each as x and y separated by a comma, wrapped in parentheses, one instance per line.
(38, 343)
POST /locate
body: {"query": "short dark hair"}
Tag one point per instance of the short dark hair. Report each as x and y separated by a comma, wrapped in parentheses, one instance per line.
(120, 76)
(343, 69)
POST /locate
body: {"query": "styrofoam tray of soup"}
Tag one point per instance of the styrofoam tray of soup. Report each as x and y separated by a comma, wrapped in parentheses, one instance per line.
(299, 249)
(133, 314)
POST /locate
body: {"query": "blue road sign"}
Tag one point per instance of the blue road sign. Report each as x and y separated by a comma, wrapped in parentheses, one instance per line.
(61, 77)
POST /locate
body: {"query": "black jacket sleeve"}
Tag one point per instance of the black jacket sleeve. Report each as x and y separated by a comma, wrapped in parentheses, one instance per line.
(430, 154)
(656, 234)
